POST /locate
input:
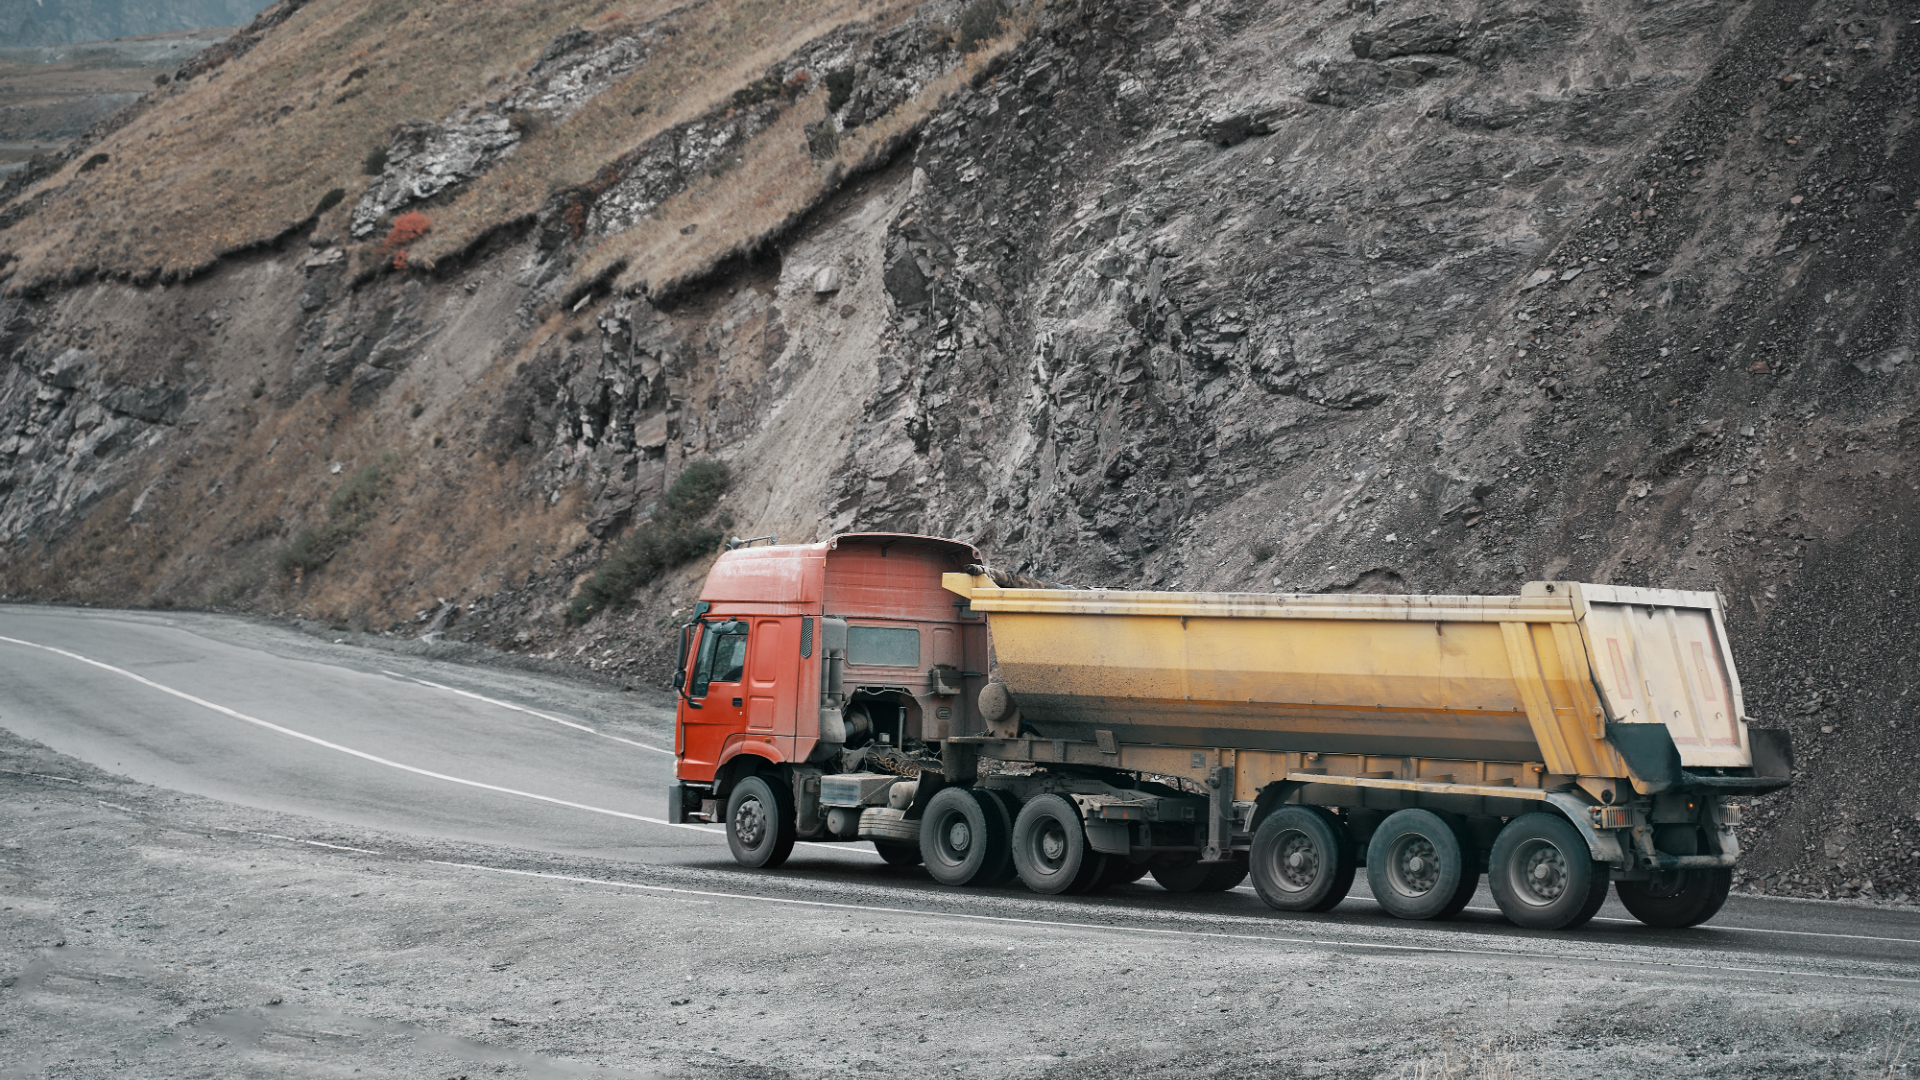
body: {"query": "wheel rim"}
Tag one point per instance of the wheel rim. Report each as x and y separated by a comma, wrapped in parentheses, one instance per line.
(1413, 867)
(1050, 845)
(952, 837)
(1296, 862)
(1538, 873)
(750, 821)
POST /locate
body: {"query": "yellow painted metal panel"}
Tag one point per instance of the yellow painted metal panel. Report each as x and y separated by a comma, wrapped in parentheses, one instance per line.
(1504, 678)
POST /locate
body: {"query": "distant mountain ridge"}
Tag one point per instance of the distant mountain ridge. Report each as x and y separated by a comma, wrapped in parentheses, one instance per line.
(64, 22)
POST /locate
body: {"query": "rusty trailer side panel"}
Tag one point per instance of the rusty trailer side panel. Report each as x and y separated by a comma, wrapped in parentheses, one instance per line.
(1509, 678)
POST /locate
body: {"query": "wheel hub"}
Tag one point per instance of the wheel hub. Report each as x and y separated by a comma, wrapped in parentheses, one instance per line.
(1416, 866)
(959, 837)
(1053, 845)
(1540, 873)
(750, 822)
(1299, 862)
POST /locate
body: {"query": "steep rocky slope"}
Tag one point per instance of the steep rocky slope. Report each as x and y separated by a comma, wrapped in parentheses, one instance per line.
(1324, 296)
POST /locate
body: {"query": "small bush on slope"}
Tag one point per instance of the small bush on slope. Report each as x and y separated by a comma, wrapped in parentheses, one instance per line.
(672, 537)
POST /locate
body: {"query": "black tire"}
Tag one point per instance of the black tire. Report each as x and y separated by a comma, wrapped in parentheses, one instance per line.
(1004, 806)
(1420, 866)
(898, 854)
(1677, 899)
(1123, 871)
(1543, 875)
(1222, 876)
(1183, 877)
(961, 840)
(1050, 848)
(1199, 877)
(760, 827)
(1302, 859)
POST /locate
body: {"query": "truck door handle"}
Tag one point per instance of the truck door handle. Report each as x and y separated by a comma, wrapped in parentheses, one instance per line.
(736, 703)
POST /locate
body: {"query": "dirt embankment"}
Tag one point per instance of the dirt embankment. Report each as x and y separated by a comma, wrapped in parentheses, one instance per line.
(1240, 296)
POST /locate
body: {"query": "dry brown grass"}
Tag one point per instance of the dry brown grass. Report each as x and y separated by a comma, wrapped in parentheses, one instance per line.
(715, 49)
(778, 181)
(238, 156)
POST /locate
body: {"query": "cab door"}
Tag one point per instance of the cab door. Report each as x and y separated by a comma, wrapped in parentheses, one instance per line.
(715, 705)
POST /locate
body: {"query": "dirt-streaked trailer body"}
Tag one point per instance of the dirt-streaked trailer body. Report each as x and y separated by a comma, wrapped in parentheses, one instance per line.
(1558, 739)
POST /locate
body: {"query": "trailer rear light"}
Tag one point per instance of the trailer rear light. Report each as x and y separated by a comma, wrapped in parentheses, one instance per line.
(1610, 817)
(1123, 813)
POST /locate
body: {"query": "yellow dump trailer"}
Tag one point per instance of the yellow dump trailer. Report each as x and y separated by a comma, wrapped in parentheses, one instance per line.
(1403, 732)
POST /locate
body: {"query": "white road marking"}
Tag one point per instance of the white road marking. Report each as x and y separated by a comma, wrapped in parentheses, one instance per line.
(1269, 939)
(41, 775)
(316, 843)
(524, 709)
(363, 755)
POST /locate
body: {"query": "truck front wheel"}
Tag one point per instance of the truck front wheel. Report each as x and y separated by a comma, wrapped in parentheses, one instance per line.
(1050, 848)
(1302, 860)
(1677, 899)
(1542, 874)
(760, 826)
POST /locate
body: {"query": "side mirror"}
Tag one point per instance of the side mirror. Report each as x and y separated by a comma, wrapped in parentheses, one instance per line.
(679, 679)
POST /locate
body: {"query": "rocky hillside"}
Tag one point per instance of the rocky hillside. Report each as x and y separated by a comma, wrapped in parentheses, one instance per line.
(1315, 296)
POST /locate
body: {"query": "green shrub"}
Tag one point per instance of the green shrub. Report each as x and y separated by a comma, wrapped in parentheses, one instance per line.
(331, 199)
(839, 88)
(348, 510)
(979, 23)
(375, 162)
(673, 536)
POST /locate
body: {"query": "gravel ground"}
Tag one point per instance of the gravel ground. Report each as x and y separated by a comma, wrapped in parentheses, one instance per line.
(148, 933)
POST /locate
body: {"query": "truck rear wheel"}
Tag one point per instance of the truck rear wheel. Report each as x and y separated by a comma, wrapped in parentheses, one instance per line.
(1677, 899)
(1421, 866)
(1542, 874)
(760, 827)
(963, 839)
(1302, 860)
(1050, 848)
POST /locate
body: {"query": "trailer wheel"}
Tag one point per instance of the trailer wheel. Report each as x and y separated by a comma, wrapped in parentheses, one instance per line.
(1678, 899)
(1421, 866)
(1542, 874)
(898, 854)
(1006, 808)
(1050, 848)
(760, 827)
(1302, 860)
(962, 840)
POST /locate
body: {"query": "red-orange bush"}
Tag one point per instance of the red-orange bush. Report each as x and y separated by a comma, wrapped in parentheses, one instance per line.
(407, 228)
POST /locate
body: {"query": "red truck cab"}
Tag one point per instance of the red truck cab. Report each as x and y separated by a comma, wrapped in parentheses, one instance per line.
(801, 654)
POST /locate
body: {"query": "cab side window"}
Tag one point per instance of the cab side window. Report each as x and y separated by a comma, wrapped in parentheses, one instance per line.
(723, 656)
(730, 658)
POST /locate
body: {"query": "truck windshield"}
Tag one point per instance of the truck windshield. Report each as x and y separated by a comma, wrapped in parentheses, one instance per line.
(723, 658)
(883, 646)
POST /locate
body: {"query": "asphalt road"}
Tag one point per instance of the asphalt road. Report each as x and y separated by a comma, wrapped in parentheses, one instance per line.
(261, 716)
